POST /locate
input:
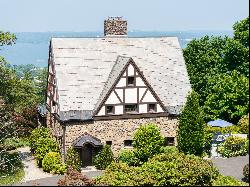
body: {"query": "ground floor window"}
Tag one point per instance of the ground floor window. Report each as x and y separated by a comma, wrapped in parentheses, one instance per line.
(109, 143)
(169, 141)
(128, 143)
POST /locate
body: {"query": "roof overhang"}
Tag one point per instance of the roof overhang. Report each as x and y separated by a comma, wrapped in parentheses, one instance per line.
(87, 139)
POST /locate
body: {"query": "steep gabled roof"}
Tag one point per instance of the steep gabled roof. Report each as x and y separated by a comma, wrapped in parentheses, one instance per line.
(116, 72)
(83, 67)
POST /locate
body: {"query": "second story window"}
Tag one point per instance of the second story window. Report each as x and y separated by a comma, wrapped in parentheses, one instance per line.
(131, 81)
(110, 109)
(151, 107)
(131, 108)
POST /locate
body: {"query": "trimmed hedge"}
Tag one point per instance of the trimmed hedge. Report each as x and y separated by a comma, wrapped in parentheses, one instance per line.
(52, 163)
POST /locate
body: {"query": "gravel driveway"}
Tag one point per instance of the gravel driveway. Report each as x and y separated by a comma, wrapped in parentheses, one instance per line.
(231, 166)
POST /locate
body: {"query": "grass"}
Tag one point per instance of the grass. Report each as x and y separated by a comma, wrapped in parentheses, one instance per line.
(12, 171)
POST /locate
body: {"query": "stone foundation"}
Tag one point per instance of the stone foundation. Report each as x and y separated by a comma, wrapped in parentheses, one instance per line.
(117, 130)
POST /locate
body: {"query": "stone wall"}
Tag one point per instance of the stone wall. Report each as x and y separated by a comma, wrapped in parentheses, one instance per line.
(117, 130)
(115, 26)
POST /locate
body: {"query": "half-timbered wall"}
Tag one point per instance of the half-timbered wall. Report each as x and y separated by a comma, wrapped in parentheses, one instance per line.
(130, 93)
(52, 94)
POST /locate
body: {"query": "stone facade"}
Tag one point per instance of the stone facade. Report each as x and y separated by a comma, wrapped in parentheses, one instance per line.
(115, 26)
(117, 130)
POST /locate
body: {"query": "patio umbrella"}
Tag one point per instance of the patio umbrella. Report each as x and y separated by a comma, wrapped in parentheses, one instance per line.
(219, 123)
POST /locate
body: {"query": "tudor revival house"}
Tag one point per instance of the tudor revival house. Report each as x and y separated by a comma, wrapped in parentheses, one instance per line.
(100, 90)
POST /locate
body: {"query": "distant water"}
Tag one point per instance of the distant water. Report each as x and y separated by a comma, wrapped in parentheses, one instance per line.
(33, 47)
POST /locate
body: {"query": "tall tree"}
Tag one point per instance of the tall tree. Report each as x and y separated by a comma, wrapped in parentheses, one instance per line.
(209, 60)
(227, 98)
(241, 31)
(190, 134)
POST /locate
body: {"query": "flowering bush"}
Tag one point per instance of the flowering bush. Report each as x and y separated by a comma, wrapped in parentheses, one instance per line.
(234, 146)
(75, 178)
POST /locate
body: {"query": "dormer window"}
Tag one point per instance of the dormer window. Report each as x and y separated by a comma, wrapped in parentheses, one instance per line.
(110, 109)
(151, 107)
(131, 81)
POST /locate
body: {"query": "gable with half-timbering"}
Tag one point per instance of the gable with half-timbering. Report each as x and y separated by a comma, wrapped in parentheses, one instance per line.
(130, 94)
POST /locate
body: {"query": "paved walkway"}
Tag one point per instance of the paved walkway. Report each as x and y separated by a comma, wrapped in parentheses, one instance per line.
(231, 166)
(31, 170)
(52, 181)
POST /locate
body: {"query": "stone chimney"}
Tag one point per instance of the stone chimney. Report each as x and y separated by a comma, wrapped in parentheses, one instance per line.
(115, 26)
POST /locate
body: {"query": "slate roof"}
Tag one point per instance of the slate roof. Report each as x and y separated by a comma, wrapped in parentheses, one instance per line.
(83, 66)
(115, 72)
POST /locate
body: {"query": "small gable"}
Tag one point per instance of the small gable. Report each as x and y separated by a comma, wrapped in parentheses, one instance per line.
(130, 93)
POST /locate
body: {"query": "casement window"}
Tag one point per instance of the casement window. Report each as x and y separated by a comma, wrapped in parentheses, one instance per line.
(131, 81)
(131, 108)
(110, 109)
(128, 143)
(151, 107)
(169, 141)
(109, 143)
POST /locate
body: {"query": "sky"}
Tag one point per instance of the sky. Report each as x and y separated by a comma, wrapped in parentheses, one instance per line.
(143, 15)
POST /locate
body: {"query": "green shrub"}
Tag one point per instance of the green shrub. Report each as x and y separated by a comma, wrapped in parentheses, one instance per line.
(120, 174)
(104, 158)
(169, 149)
(175, 169)
(44, 146)
(243, 124)
(38, 133)
(14, 143)
(227, 181)
(179, 169)
(234, 146)
(52, 163)
(147, 142)
(128, 157)
(190, 134)
(73, 159)
(246, 172)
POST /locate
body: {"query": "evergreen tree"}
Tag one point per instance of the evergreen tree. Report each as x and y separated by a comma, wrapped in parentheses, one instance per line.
(191, 127)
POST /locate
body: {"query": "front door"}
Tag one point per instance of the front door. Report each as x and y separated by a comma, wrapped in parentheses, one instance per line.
(86, 155)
